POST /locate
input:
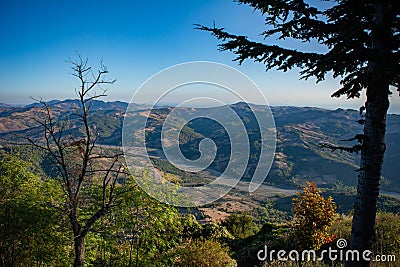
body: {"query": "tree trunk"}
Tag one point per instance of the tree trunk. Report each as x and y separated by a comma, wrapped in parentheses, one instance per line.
(79, 245)
(372, 154)
(79, 237)
(373, 147)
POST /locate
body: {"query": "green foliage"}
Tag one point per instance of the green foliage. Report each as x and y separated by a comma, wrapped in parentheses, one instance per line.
(108, 125)
(267, 213)
(313, 215)
(387, 234)
(143, 232)
(137, 231)
(39, 161)
(191, 228)
(341, 228)
(388, 204)
(212, 231)
(201, 253)
(240, 225)
(30, 228)
(275, 236)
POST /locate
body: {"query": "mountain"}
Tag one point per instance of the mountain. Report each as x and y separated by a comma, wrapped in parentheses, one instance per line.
(299, 130)
(4, 105)
(72, 103)
(16, 122)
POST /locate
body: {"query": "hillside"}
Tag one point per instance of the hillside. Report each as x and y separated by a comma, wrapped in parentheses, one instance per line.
(298, 155)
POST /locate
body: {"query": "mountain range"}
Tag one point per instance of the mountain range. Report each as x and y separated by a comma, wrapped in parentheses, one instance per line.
(299, 130)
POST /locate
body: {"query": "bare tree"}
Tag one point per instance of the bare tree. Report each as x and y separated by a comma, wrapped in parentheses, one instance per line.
(89, 173)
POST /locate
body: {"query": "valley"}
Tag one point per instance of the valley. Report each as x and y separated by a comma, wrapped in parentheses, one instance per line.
(298, 157)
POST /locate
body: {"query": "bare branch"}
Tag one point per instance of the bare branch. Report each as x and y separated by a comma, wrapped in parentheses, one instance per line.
(75, 157)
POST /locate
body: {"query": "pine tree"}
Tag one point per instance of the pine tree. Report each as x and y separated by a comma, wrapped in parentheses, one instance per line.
(362, 39)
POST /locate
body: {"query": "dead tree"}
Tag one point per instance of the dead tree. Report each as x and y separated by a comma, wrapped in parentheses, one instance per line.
(83, 167)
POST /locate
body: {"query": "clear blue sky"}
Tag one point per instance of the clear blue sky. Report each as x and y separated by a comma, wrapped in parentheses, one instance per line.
(135, 39)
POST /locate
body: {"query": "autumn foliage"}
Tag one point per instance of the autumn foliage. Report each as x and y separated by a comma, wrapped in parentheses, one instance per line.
(314, 215)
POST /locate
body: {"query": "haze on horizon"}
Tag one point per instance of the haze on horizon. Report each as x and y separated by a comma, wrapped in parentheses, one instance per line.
(136, 40)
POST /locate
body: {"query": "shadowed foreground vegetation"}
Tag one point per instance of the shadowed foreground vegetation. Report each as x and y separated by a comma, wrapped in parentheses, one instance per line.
(142, 232)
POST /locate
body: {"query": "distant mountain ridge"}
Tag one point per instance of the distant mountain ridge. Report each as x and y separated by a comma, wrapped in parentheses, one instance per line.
(69, 103)
(300, 130)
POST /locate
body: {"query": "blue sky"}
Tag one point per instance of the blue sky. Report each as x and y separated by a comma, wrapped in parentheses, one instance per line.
(135, 39)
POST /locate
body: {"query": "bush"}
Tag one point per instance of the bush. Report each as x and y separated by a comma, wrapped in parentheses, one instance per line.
(240, 225)
(387, 234)
(313, 216)
(200, 253)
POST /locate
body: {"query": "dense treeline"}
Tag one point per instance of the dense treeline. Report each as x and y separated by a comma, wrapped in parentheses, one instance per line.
(142, 232)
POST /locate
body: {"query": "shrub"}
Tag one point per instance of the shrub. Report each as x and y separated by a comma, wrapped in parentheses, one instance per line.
(201, 253)
(313, 216)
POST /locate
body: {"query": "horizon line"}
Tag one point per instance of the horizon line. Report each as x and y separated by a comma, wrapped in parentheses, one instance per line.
(173, 105)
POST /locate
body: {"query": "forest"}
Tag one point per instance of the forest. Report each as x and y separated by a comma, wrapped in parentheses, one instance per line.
(140, 231)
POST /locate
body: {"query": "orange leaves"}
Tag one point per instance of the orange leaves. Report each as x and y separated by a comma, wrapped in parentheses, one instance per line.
(314, 214)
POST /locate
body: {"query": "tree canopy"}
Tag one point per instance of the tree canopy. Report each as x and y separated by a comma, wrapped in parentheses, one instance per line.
(344, 29)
